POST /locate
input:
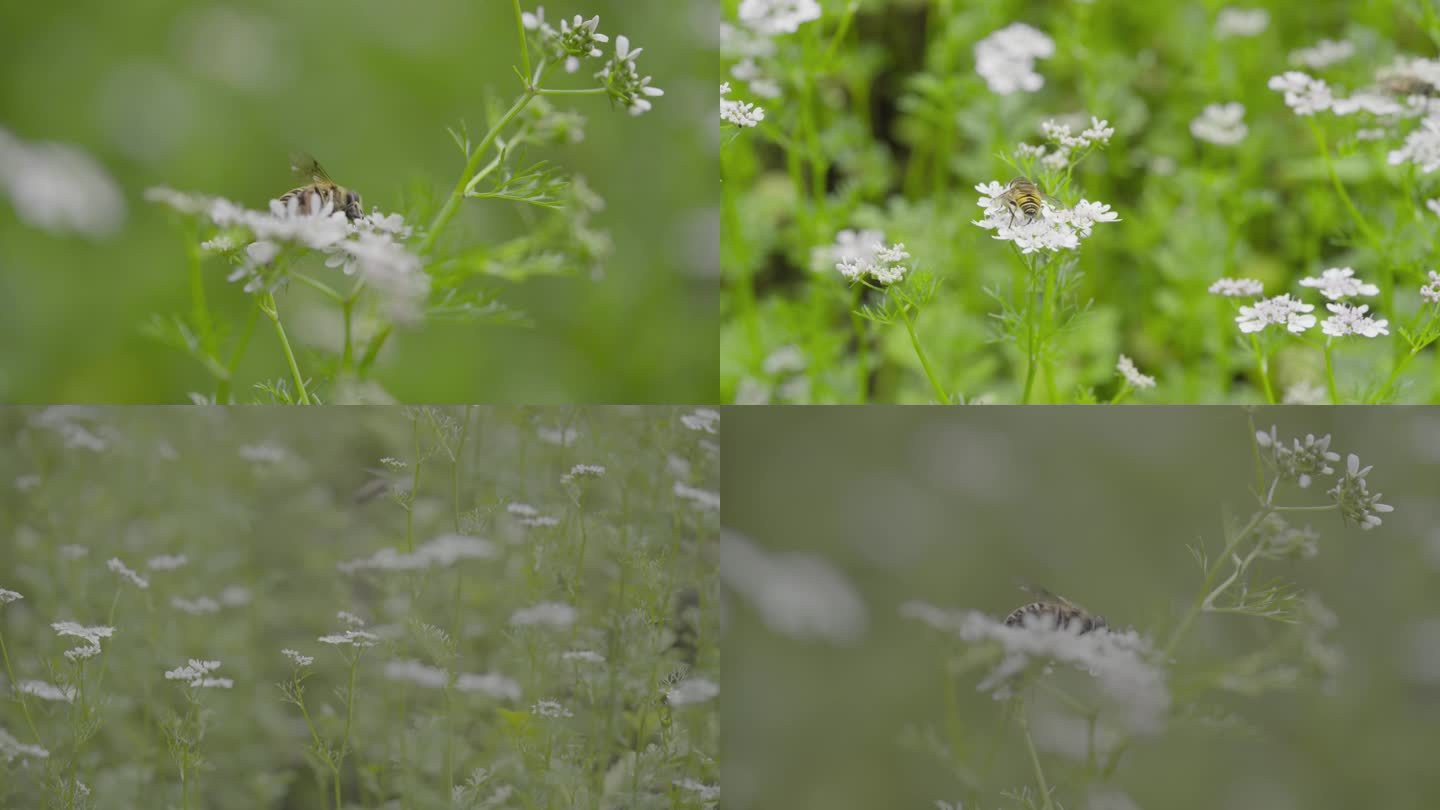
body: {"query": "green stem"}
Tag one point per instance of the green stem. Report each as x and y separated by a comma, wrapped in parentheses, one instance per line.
(222, 390)
(940, 394)
(1330, 374)
(1262, 368)
(862, 364)
(1209, 582)
(520, 31)
(347, 353)
(20, 696)
(452, 205)
(1035, 761)
(592, 91)
(414, 488)
(267, 306)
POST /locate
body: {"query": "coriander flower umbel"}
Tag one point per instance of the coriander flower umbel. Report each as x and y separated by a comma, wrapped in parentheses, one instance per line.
(771, 17)
(1431, 292)
(297, 658)
(1339, 283)
(1300, 461)
(1325, 53)
(353, 638)
(1118, 661)
(1421, 147)
(550, 708)
(548, 614)
(1132, 375)
(702, 419)
(1237, 288)
(1221, 124)
(125, 573)
(1241, 22)
(1053, 229)
(47, 691)
(580, 471)
(1351, 492)
(886, 267)
(849, 244)
(196, 674)
(8, 596)
(691, 691)
(1303, 94)
(1349, 320)
(740, 113)
(1006, 59)
(1097, 134)
(59, 188)
(622, 78)
(1282, 310)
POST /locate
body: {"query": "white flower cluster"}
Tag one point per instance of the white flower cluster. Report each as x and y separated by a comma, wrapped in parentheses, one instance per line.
(580, 471)
(1221, 124)
(1352, 320)
(622, 78)
(797, 595)
(1421, 147)
(10, 748)
(47, 691)
(530, 516)
(167, 562)
(1006, 59)
(577, 38)
(1325, 53)
(740, 113)
(1282, 310)
(1118, 661)
(771, 17)
(1237, 288)
(59, 188)
(551, 709)
(196, 674)
(430, 677)
(1338, 283)
(352, 638)
(1054, 229)
(127, 574)
(1097, 134)
(556, 615)
(705, 420)
(884, 265)
(702, 499)
(1357, 504)
(691, 691)
(1304, 94)
(1126, 368)
(370, 246)
(297, 658)
(1301, 461)
(1241, 22)
(91, 635)
(1430, 292)
(8, 596)
(441, 552)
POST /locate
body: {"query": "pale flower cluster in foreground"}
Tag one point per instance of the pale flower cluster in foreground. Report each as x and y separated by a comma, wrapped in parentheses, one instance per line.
(795, 594)
(1237, 288)
(1054, 229)
(1006, 59)
(740, 113)
(1118, 661)
(771, 17)
(1126, 368)
(1221, 124)
(1282, 310)
(1325, 53)
(59, 188)
(1335, 284)
(1241, 22)
(1338, 283)
(370, 247)
(884, 265)
(421, 674)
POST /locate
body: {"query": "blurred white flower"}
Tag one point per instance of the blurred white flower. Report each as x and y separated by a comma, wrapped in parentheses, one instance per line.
(166, 562)
(1132, 375)
(91, 634)
(8, 596)
(1241, 22)
(1097, 134)
(196, 674)
(547, 614)
(1221, 124)
(1006, 59)
(1303, 94)
(1421, 147)
(1325, 53)
(350, 618)
(771, 17)
(849, 245)
(788, 359)
(125, 573)
(47, 691)
(550, 708)
(1237, 288)
(297, 658)
(199, 606)
(1338, 283)
(581, 471)
(691, 691)
(491, 684)
(701, 498)
(354, 638)
(886, 267)
(1367, 101)
(1349, 320)
(264, 453)
(59, 188)
(701, 790)
(389, 268)
(795, 594)
(1282, 310)
(417, 673)
(587, 656)
(702, 419)
(10, 748)
(1304, 393)
(443, 551)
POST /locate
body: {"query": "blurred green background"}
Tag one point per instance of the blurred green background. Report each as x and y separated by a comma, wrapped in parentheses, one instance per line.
(213, 97)
(953, 507)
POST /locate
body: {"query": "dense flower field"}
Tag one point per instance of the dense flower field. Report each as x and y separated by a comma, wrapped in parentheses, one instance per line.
(1219, 204)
